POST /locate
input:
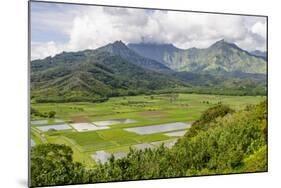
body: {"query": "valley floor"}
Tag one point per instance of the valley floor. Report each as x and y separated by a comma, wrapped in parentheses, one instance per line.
(96, 130)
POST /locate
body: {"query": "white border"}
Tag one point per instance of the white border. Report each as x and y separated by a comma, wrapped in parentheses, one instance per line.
(13, 134)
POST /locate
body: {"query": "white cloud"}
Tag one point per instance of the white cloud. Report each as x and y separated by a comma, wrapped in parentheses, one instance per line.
(42, 50)
(259, 28)
(92, 27)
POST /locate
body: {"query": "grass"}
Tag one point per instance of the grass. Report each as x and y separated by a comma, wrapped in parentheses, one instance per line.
(110, 139)
(78, 155)
(146, 110)
(36, 138)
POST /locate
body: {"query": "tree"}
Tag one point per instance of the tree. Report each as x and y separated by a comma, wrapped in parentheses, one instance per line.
(51, 114)
(52, 164)
(207, 117)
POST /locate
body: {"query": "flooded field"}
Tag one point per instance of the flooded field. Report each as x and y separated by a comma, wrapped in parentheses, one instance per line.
(32, 143)
(39, 122)
(159, 128)
(58, 121)
(167, 143)
(177, 133)
(57, 127)
(81, 127)
(103, 157)
(143, 146)
(114, 121)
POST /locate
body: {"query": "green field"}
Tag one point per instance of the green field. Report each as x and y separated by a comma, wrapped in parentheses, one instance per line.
(145, 110)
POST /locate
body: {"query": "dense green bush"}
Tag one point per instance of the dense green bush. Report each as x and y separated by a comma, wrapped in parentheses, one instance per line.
(51, 114)
(52, 164)
(35, 113)
(208, 116)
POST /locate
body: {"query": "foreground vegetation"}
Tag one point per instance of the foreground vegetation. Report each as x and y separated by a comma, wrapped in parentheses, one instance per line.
(221, 141)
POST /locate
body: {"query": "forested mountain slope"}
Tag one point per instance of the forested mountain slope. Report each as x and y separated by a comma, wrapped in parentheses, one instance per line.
(221, 57)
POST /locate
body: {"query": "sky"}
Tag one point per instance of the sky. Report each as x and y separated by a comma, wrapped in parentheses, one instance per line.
(66, 27)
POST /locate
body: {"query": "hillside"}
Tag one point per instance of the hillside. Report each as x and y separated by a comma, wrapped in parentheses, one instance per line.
(116, 70)
(159, 52)
(95, 74)
(118, 48)
(221, 57)
(259, 53)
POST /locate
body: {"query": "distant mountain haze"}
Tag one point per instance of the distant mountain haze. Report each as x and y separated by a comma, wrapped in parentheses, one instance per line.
(120, 49)
(158, 52)
(259, 53)
(220, 57)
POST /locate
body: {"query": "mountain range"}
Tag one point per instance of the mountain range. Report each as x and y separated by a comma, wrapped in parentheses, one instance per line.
(260, 54)
(221, 57)
(117, 69)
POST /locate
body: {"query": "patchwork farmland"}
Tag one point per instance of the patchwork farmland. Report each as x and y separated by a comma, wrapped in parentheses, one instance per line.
(96, 130)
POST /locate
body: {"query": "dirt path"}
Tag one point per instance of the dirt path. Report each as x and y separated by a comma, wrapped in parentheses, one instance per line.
(37, 133)
(80, 119)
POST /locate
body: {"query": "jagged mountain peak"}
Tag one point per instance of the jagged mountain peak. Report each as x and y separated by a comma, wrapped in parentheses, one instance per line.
(224, 44)
(222, 55)
(114, 47)
(119, 48)
(118, 43)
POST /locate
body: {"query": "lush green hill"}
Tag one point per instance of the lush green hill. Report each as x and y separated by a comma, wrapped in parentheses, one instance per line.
(92, 74)
(221, 57)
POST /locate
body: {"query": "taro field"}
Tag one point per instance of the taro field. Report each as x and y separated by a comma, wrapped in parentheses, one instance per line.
(95, 131)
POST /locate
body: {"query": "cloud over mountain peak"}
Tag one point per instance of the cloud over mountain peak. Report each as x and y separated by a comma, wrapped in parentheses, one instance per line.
(89, 27)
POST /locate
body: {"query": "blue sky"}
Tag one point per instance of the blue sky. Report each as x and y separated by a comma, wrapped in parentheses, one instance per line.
(41, 18)
(66, 27)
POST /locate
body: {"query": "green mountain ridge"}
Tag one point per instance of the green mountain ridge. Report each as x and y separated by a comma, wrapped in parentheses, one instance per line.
(93, 74)
(221, 57)
(120, 49)
(116, 70)
(261, 54)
